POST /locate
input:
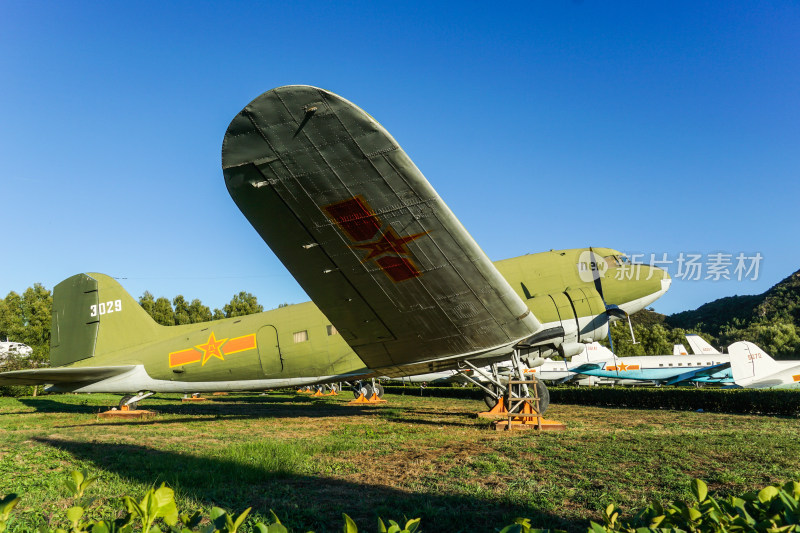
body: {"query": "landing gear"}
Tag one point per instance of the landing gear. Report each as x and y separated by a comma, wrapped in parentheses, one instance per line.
(492, 396)
(130, 402)
(126, 401)
(367, 389)
(541, 390)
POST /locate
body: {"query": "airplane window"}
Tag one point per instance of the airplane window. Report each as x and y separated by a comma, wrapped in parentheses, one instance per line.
(680, 364)
(611, 261)
(331, 330)
(688, 364)
(670, 364)
(660, 364)
(300, 336)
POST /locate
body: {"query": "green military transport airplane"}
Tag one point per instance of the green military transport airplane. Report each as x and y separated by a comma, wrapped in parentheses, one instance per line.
(398, 285)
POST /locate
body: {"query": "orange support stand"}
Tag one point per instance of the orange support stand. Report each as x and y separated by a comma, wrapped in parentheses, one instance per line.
(498, 411)
(307, 390)
(527, 418)
(362, 400)
(332, 393)
(126, 412)
(318, 393)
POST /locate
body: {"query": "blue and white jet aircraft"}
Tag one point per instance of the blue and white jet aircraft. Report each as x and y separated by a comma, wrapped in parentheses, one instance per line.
(708, 367)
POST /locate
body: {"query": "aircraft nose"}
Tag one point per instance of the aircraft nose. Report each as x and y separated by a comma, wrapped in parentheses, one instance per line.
(634, 288)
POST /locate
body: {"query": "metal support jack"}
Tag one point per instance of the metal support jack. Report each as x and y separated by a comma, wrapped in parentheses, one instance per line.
(524, 412)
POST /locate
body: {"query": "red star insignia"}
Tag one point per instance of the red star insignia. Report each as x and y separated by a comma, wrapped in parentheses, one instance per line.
(211, 348)
(622, 366)
(389, 242)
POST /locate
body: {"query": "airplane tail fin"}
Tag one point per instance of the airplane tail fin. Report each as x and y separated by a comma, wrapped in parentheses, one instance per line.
(679, 349)
(700, 346)
(749, 363)
(93, 315)
(593, 352)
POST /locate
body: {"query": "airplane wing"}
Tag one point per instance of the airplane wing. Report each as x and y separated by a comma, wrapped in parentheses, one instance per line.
(42, 376)
(364, 233)
(708, 371)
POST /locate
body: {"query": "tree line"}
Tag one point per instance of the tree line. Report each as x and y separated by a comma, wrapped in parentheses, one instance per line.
(179, 311)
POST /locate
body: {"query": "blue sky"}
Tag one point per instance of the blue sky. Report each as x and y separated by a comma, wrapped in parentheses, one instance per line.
(652, 127)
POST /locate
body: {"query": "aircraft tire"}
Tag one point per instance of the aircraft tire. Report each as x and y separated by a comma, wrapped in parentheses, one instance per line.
(544, 396)
(490, 400)
(378, 390)
(132, 406)
(362, 388)
(541, 388)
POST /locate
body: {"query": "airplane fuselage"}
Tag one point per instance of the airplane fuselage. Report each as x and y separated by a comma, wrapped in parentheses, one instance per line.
(660, 368)
(297, 344)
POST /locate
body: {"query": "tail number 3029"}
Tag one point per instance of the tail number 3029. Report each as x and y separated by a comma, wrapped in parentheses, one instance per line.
(104, 308)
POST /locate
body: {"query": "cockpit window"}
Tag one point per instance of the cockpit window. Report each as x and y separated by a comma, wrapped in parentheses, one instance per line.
(611, 261)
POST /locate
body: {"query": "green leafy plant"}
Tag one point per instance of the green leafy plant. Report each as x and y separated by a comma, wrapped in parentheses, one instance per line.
(410, 527)
(274, 527)
(773, 509)
(159, 503)
(6, 505)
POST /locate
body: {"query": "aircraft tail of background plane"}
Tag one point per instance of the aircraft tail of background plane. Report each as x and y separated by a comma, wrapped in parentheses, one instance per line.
(679, 349)
(593, 352)
(94, 316)
(700, 346)
(750, 363)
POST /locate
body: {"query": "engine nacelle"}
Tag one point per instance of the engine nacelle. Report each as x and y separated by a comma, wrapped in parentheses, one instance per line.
(533, 360)
(569, 349)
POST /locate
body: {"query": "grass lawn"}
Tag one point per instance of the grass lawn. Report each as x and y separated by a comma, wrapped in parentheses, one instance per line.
(311, 459)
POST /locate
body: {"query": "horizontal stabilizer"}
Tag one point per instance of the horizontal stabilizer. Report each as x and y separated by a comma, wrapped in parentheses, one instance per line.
(364, 233)
(42, 376)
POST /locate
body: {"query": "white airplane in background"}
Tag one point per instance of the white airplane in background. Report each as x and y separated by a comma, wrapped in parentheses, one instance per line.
(753, 368)
(550, 370)
(10, 349)
(664, 369)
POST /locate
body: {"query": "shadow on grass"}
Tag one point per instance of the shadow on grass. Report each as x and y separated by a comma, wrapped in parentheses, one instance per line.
(44, 405)
(267, 476)
(270, 406)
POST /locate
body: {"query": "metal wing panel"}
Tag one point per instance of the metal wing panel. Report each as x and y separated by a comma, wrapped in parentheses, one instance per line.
(708, 371)
(364, 233)
(42, 376)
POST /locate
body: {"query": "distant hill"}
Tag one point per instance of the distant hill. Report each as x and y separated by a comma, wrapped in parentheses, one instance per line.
(781, 302)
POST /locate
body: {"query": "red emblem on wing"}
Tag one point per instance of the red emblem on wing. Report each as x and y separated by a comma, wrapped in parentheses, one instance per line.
(385, 247)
